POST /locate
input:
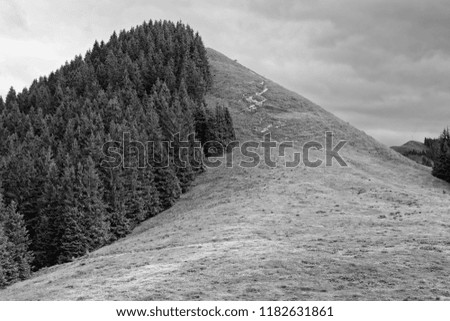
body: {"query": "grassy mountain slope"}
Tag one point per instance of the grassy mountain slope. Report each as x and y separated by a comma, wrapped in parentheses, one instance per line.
(377, 229)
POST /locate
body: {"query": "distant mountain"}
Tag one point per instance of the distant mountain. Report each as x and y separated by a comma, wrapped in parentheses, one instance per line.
(412, 145)
(415, 151)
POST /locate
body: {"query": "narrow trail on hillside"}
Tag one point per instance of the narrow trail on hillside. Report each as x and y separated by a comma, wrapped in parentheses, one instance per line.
(255, 103)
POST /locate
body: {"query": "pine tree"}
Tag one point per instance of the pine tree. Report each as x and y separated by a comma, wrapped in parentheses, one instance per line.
(441, 167)
(201, 123)
(230, 133)
(46, 244)
(119, 224)
(4, 258)
(72, 242)
(11, 98)
(148, 192)
(90, 203)
(16, 256)
(2, 105)
(168, 186)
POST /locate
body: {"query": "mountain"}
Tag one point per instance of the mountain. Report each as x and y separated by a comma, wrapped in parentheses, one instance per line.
(416, 151)
(412, 145)
(374, 230)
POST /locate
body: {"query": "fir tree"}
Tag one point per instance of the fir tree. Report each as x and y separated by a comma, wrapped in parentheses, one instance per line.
(441, 167)
(72, 242)
(15, 255)
(4, 258)
(2, 105)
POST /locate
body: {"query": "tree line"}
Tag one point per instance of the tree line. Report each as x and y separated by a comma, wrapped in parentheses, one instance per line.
(56, 201)
(439, 152)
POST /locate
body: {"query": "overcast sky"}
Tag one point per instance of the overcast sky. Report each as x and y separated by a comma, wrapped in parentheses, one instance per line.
(383, 66)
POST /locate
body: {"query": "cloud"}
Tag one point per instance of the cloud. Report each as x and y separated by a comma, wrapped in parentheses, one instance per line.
(12, 19)
(387, 61)
(383, 65)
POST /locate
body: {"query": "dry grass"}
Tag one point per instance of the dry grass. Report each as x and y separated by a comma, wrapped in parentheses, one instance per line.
(377, 230)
